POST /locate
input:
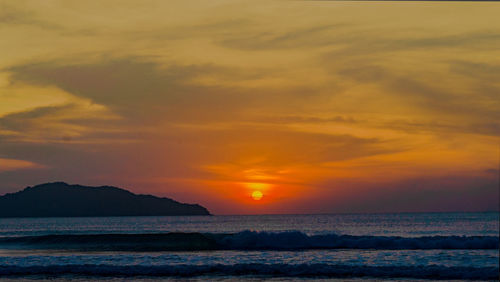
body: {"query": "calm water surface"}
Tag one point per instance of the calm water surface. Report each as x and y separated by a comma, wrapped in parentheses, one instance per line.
(407, 225)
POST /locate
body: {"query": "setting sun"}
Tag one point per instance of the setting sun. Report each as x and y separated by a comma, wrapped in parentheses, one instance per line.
(257, 195)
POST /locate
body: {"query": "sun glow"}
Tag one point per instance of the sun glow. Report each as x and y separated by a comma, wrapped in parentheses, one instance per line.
(257, 186)
(257, 195)
(257, 190)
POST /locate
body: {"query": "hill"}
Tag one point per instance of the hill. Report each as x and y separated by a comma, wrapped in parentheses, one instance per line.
(60, 199)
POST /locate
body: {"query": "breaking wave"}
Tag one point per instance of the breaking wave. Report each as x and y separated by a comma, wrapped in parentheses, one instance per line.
(257, 269)
(297, 240)
(246, 240)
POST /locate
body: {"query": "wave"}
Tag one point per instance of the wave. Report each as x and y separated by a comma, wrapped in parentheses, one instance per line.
(257, 269)
(246, 240)
(297, 240)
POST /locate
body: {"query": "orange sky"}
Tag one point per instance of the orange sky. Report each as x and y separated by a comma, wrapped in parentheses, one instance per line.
(323, 106)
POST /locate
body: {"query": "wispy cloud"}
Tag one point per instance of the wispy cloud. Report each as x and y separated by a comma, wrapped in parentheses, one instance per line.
(13, 164)
(10, 15)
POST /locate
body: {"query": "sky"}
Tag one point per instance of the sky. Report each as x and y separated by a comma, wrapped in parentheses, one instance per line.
(321, 106)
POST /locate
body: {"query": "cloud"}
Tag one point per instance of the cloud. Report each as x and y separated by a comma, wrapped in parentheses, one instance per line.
(437, 126)
(15, 16)
(126, 86)
(291, 119)
(61, 123)
(354, 39)
(310, 37)
(375, 43)
(173, 92)
(13, 164)
(177, 153)
(452, 108)
(478, 70)
(279, 147)
(446, 193)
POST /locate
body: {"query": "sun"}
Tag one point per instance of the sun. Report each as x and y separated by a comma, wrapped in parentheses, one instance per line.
(257, 189)
(257, 195)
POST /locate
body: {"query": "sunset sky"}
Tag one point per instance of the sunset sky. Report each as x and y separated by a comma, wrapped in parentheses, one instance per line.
(322, 106)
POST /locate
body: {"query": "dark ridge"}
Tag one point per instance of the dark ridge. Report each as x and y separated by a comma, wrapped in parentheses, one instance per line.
(59, 199)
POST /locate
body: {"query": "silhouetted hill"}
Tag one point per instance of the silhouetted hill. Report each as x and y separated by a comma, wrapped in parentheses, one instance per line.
(60, 199)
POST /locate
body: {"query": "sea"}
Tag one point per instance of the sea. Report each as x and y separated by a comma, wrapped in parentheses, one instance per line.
(326, 247)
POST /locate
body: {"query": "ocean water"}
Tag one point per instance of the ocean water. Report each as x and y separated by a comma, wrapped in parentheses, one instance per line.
(407, 247)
